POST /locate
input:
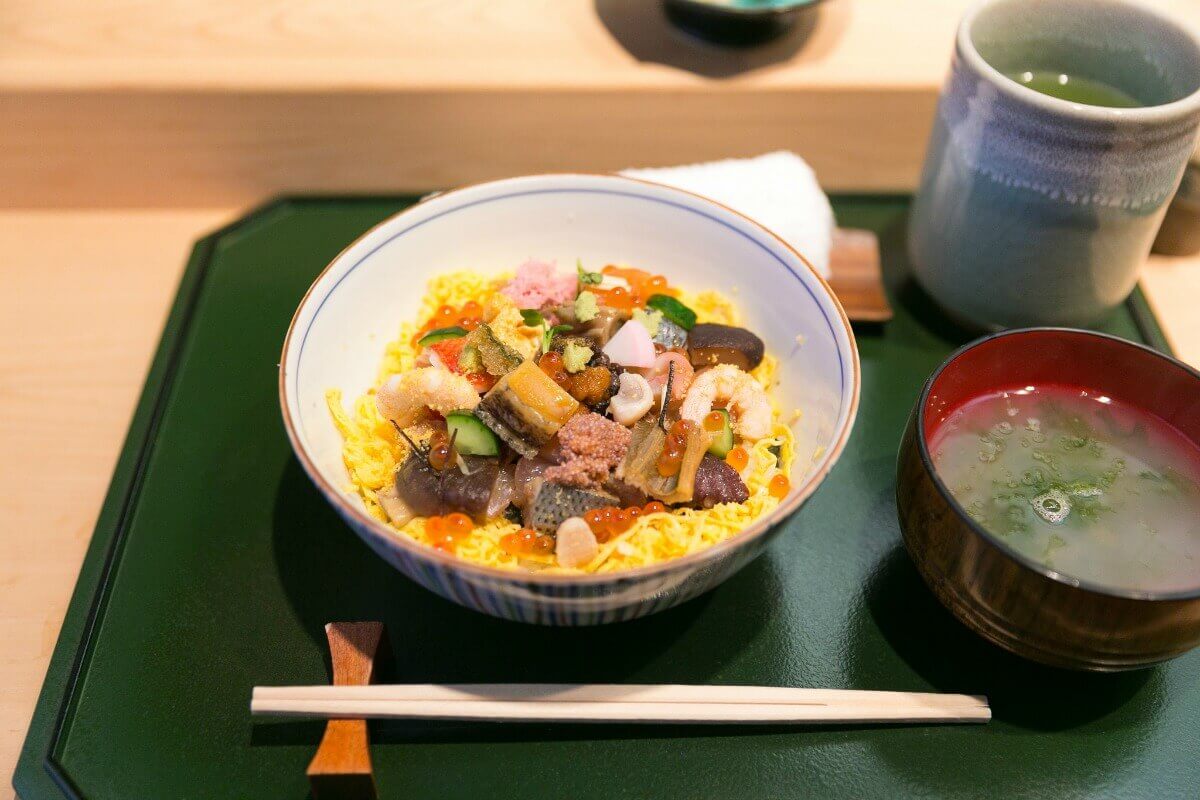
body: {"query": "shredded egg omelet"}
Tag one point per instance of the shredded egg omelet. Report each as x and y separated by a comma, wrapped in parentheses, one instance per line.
(373, 449)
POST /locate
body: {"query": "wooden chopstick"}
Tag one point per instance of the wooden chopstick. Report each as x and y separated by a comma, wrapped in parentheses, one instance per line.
(616, 703)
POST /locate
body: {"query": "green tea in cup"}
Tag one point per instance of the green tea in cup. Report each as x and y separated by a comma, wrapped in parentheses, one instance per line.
(1075, 88)
(1061, 134)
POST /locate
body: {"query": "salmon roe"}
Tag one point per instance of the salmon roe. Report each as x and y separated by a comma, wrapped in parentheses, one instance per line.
(779, 485)
(714, 422)
(611, 521)
(671, 458)
(446, 532)
(618, 297)
(552, 364)
(458, 524)
(526, 542)
(653, 507)
(468, 317)
(657, 285)
(738, 458)
(642, 284)
(441, 452)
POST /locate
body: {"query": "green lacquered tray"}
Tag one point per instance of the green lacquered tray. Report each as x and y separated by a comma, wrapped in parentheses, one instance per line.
(215, 564)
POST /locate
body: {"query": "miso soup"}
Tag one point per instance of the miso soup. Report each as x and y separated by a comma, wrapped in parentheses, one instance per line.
(1091, 488)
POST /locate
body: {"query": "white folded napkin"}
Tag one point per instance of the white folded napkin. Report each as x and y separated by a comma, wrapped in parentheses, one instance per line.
(778, 190)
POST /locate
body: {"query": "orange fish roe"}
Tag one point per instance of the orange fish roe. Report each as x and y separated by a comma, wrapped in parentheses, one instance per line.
(641, 283)
(458, 524)
(469, 317)
(617, 297)
(526, 542)
(738, 458)
(611, 521)
(671, 458)
(441, 453)
(446, 532)
(552, 364)
(779, 486)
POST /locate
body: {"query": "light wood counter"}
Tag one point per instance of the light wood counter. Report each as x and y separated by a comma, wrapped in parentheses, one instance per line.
(112, 103)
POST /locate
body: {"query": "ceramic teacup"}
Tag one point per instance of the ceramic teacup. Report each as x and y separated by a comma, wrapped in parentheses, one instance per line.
(1038, 210)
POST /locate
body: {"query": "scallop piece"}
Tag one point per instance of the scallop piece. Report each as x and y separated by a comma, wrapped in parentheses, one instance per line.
(574, 543)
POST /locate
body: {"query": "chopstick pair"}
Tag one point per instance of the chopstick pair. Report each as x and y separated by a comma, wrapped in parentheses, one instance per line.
(635, 704)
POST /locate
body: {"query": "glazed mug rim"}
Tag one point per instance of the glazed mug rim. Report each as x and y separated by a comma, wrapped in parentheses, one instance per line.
(1154, 114)
(987, 536)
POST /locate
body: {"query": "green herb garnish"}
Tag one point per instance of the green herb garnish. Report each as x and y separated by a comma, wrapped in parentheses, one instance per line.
(441, 335)
(534, 319)
(588, 278)
(673, 310)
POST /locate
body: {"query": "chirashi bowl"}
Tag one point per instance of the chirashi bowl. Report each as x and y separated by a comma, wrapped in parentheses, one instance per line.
(354, 307)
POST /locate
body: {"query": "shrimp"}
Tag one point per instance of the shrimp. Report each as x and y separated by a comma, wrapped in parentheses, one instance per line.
(743, 396)
(657, 375)
(409, 396)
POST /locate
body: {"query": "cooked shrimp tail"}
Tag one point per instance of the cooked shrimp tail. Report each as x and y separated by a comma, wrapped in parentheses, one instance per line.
(736, 391)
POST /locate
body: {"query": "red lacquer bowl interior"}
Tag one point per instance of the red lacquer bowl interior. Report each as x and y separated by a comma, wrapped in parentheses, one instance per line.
(1127, 372)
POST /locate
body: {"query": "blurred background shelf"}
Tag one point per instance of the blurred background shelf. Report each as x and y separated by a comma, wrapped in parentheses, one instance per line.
(134, 102)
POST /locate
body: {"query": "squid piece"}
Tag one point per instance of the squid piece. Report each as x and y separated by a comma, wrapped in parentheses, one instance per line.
(632, 400)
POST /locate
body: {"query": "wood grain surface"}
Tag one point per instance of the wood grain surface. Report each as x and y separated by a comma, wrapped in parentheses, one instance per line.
(140, 103)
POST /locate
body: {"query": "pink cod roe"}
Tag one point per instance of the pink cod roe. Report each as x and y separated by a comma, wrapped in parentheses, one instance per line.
(538, 284)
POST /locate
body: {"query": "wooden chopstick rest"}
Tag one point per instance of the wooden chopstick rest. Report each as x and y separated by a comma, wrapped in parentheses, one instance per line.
(341, 769)
(856, 275)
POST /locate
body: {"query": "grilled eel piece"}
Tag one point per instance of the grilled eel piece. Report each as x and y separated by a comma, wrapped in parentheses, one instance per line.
(526, 408)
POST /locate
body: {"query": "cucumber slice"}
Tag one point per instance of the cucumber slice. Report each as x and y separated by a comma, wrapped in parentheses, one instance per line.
(722, 441)
(441, 335)
(471, 436)
(673, 310)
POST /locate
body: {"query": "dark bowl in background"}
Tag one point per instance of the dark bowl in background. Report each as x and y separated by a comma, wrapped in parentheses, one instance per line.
(725, 23)
(1004, 596)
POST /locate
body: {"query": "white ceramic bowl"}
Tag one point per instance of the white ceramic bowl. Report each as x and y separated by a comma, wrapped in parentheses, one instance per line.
(355, 306)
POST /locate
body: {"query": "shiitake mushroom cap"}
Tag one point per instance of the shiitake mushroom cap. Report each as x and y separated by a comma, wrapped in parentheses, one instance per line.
(710, 343)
